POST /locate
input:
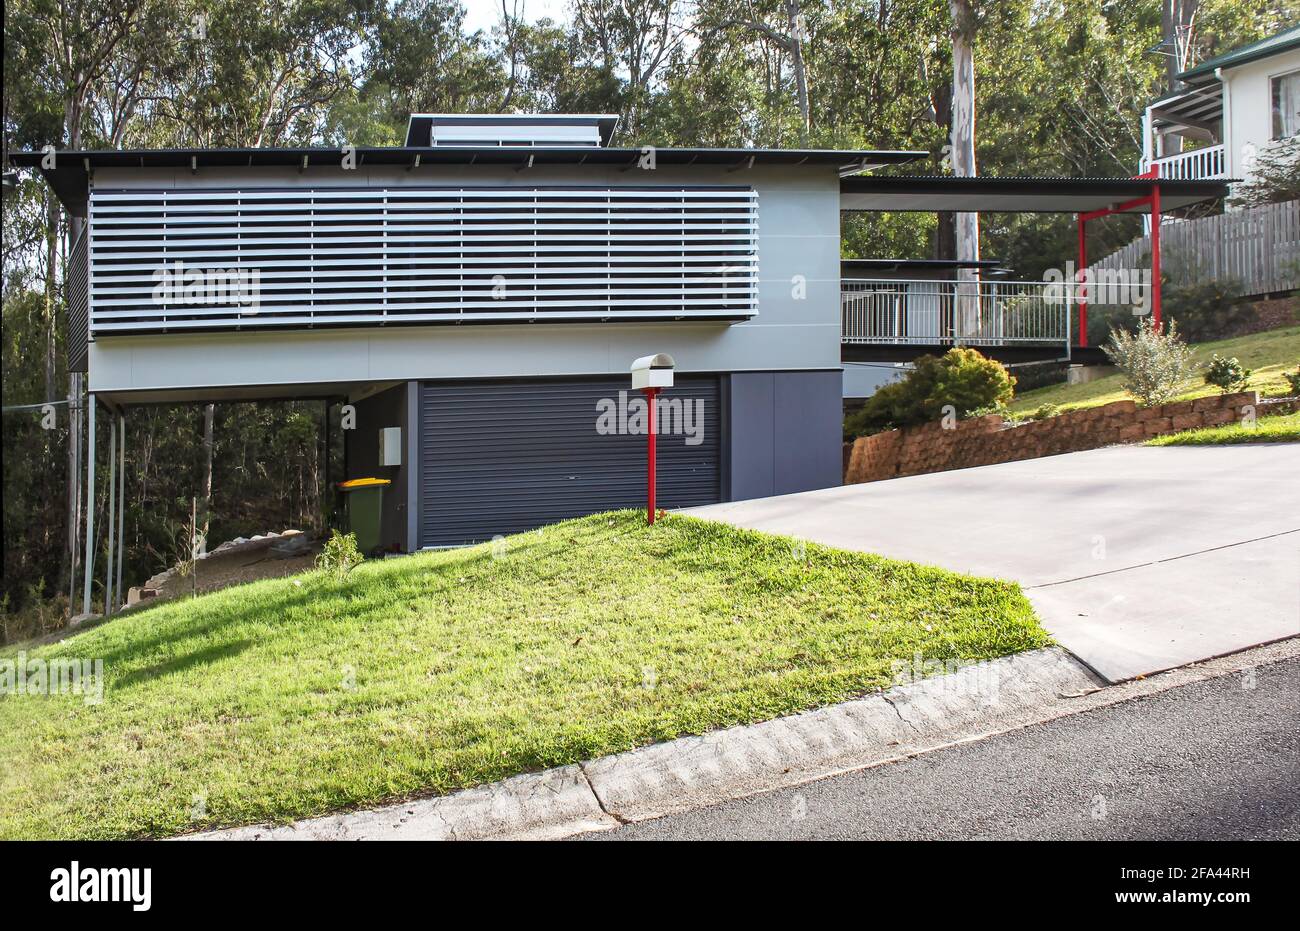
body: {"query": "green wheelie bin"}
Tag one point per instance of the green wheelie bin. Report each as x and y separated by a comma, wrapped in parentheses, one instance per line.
(364, 506)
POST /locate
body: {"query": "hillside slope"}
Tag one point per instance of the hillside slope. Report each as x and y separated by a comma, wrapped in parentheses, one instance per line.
(1269, 354)
(293, 697)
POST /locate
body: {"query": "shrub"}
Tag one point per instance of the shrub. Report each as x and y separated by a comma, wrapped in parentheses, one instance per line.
(1293, 379)
(962, 378)
(1045, 411)
(1275, 176)
(1206, 310)
(1154, 364)
(1103, 318)
(340, 555)
(1226, 374)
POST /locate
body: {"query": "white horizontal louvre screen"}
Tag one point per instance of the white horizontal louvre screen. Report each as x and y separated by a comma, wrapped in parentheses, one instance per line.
(366, 257)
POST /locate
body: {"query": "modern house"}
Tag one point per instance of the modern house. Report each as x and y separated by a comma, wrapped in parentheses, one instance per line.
(485, 287)
(1226, 111)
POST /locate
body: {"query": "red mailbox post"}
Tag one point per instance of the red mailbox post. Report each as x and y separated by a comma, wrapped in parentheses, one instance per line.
(650, 374)
(651, 434)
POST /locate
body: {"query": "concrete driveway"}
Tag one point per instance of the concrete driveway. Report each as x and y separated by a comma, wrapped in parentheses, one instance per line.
(1138, 559)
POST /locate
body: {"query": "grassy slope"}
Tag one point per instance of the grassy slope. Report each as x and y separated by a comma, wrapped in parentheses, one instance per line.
(1268, 354)
(1285, 429)
(594, 636)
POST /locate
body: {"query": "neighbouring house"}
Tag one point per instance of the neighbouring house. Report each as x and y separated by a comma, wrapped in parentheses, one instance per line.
(1226, 111)
(468, 304)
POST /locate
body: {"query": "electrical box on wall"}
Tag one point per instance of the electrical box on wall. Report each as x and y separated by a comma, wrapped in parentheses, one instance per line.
(390, 446)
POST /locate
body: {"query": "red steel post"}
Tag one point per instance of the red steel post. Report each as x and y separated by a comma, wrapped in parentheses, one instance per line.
(1155, 255)
(1081, 286)
(651, 433)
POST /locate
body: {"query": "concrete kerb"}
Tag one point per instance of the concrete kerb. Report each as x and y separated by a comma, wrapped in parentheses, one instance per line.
(969, 704)
(692, 771)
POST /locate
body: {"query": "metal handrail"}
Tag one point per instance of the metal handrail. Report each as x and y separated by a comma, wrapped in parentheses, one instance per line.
(978, 312)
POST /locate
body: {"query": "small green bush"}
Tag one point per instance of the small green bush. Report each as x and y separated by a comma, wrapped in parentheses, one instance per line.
(1045, 411)
(1293, 379)
(1205, 310)
(1227, 375)
(339, 555)
(1154, 364)
(962, 379)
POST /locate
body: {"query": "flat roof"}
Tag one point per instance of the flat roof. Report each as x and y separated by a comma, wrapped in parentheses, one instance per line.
(1016, 195)
(70, 177)
(876, 264)
(854, 265)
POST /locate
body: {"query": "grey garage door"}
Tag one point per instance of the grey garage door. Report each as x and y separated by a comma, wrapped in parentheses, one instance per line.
(503, 457)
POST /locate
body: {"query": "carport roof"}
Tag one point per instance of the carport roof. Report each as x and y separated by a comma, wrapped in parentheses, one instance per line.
(932, 194)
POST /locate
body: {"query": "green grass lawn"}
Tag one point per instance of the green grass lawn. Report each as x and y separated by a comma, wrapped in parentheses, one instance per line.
(1268, 354)
(1282, 429)
(295, 697)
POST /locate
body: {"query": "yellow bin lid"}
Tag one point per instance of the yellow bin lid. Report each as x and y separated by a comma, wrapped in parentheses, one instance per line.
(363, 483)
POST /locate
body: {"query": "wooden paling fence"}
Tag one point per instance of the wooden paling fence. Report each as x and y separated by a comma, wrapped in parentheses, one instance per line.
(1258, 246)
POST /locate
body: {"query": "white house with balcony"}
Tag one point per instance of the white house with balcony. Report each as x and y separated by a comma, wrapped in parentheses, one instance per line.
(1227, 110)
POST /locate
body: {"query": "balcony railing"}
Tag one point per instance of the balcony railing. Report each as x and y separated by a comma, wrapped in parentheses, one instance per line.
(1196, 165)
(976, 313)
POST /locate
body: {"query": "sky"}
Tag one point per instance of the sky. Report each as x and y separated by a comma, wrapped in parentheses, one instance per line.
(484, 14)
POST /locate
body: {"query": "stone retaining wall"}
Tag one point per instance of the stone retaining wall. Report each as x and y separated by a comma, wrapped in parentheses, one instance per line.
(988, 440)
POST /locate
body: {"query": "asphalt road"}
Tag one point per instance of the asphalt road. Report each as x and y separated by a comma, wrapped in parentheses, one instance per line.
(1211, 760)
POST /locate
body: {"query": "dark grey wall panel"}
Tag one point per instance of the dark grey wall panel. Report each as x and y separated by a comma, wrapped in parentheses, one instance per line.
(752, 438)
(500, 457)
(808, 413)
(784, 431)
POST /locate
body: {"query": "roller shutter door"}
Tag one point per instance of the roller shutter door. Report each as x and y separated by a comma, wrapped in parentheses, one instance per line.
(503, 457)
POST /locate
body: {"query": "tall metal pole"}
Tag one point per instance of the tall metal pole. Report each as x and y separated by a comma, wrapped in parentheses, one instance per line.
(89, 561)
(651, 435)
(112, 514)
(1082, 284)
(121, 499)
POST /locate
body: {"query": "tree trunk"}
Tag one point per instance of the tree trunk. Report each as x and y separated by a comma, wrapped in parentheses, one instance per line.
(1176, 18)
(945, 236)
(208, 412)
(963, 160)
(796, 63)
(1175, 30)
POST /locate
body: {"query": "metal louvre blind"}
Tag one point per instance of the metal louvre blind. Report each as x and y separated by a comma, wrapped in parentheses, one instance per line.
(505, 457)
(372, 256)
(75, 295)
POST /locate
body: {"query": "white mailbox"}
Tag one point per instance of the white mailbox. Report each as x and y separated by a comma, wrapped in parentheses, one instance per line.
(654, 371)
(390, 446)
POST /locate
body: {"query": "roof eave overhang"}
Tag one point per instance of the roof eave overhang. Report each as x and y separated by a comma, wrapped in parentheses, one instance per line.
(70, 178)
(1229, 60)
